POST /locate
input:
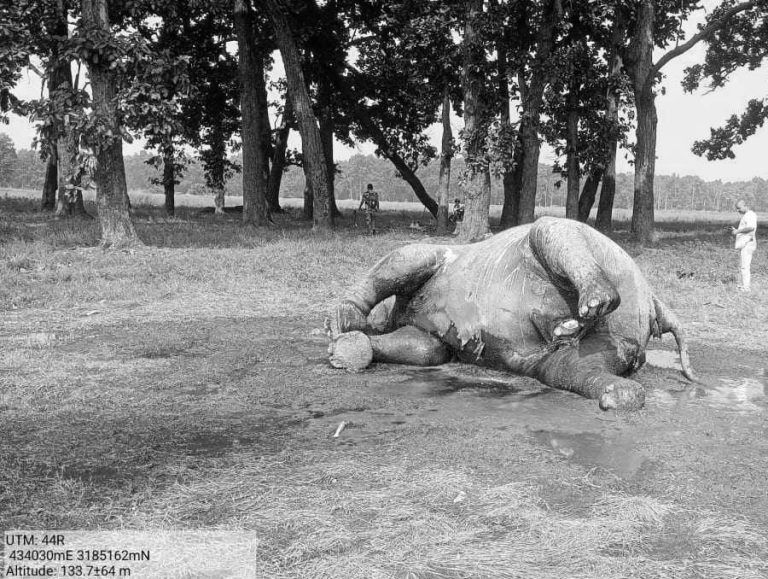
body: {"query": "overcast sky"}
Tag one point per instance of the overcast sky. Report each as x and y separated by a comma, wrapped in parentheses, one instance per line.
(683, 118)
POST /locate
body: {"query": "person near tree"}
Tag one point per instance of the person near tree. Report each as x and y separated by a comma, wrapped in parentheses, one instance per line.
(369, 203)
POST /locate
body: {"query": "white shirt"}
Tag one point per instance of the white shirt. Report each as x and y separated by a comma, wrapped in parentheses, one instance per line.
(749, 219)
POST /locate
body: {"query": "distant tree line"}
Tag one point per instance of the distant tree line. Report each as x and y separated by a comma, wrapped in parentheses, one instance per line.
(24, 169)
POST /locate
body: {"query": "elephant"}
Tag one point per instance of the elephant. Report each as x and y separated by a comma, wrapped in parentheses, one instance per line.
(554, 300)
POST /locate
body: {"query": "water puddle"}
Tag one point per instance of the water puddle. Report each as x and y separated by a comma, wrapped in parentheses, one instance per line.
(663, 359)
(583, 434)
(739, 395)
(745, 394)
(616, 454)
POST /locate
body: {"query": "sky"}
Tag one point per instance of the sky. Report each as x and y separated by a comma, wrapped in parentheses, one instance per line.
(683, 119)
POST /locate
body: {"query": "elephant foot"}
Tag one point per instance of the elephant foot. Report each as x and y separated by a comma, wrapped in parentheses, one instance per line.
(597, 299)
(350, 351)
(622, 394)
(567, 328)
(556, 330)
(349, 318)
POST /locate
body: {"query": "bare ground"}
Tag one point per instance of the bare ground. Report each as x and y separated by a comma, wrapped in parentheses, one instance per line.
(184, 385)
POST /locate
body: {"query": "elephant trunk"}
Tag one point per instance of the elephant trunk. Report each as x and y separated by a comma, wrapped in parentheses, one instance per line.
(667, 322)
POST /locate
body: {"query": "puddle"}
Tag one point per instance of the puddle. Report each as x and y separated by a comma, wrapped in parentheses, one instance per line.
(663, 359)
(615, 454)
(584, 434)
(745, 394)
(741, 395)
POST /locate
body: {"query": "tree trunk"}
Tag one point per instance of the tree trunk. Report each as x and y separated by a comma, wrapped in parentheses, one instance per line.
(278, 158)
(214, 166)
(60, 88)
(510, 191)
(169, 181)
(572, 147)
(643, 227)
(604, 220)
(446, 155)
(309, 200)
(66, 151)
(476, 185)
(641, 70)
(588, 194)
(326, 133)
(311, 141)
(529, 172)
(48, 202)
(529, 126)
(512, 182)
(117, 229)
(252, 105)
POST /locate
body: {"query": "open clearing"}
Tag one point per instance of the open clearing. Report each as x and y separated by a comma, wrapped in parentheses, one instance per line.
(184, 385)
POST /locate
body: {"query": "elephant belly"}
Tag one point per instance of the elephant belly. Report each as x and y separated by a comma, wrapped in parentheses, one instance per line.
(488, 319)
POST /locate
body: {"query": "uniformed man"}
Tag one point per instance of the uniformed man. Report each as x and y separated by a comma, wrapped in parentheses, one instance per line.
(369, 203)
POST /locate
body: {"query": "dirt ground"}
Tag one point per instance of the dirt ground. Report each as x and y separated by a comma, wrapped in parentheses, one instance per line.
(185, 386)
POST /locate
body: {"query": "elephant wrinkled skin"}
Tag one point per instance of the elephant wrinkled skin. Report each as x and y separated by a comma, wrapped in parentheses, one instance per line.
(555, 300)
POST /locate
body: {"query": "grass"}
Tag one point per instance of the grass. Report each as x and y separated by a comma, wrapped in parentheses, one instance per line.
(183, 386)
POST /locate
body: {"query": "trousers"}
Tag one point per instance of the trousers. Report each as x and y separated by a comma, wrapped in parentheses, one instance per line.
(746, 264)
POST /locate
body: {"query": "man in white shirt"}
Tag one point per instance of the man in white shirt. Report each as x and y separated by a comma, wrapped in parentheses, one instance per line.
(745, 242)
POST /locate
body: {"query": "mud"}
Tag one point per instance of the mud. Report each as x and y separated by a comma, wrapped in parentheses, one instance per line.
(570, 427)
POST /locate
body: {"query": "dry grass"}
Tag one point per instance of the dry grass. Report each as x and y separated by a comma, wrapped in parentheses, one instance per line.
(183, 386)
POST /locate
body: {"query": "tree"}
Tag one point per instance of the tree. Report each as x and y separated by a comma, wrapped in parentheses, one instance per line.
(533, 46)
(8, 160)
(102, 52)
(654, 25)
(157, 84)
(311, 140)
(279, 156)
(476, 182)
(253, 103)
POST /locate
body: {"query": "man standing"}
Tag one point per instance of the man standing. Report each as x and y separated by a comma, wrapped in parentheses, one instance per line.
(746, 241)
(369, 203)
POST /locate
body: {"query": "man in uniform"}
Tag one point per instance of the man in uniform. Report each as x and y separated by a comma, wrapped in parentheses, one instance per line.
(369, 203)
(746, 241)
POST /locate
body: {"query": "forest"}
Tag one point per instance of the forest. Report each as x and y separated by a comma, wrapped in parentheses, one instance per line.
(25, 170)
(199, 83)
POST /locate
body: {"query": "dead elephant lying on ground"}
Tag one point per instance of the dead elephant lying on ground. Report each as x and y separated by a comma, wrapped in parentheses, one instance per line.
(555, 300)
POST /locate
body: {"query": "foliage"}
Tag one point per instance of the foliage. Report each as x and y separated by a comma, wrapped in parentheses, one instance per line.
(8, 158)
(741, 45)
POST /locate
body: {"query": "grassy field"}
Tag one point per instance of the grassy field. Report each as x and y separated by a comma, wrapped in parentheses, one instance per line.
(184, 386)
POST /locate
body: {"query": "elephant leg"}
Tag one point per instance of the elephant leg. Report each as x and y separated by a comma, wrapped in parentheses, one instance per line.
(569, 369)
(400, 273)
(564, 250)
(407, 345)
(555, 328)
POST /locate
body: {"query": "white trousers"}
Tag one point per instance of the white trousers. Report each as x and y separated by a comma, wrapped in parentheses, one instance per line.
(746, 264)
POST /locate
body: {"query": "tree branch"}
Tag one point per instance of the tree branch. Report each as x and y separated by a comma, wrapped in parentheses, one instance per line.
(710, 28)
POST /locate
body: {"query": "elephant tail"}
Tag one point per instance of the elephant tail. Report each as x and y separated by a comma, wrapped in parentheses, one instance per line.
(666, 322)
